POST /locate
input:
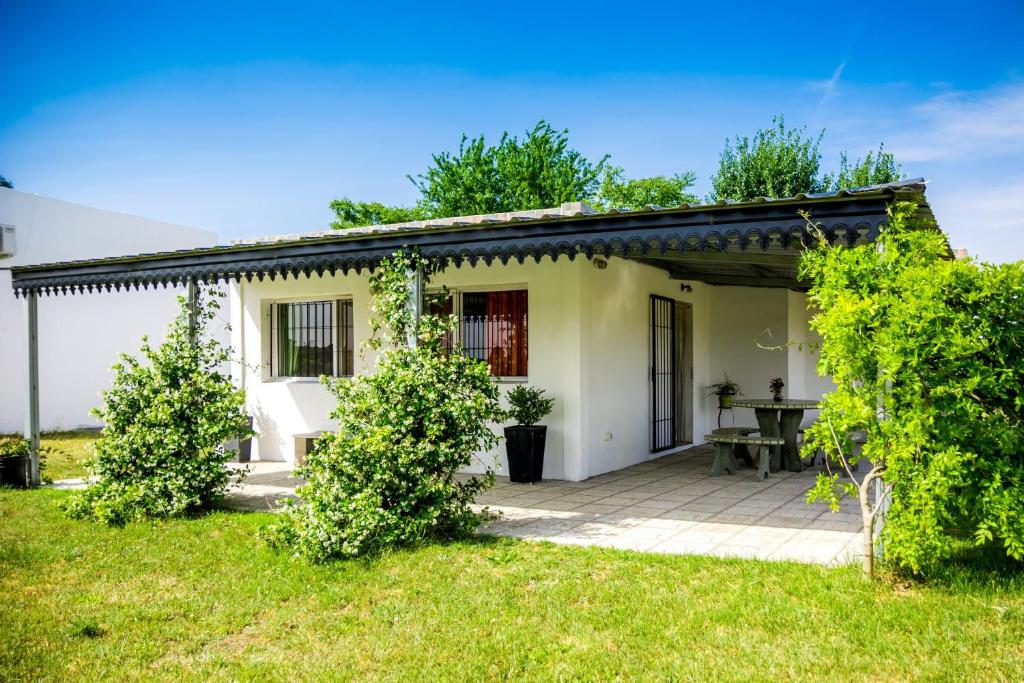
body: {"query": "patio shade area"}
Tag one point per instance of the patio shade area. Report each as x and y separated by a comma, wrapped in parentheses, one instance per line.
(669, 505)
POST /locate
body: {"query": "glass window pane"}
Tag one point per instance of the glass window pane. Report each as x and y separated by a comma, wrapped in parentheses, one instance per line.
(305, 339)
(494, 329)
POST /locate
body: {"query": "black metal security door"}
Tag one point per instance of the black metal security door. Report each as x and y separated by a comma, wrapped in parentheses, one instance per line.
(663, 373)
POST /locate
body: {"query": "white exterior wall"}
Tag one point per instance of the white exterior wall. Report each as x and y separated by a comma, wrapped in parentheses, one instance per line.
(616, 352)
(589, 347)
(283, 408)
(80, 335)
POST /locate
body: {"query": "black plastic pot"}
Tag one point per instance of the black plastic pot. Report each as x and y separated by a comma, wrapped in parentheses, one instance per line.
(245, 446)
(14, 471)
(524, 447)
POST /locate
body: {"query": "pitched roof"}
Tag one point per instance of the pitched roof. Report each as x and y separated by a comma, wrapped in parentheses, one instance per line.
(569, 210)
(769, 225)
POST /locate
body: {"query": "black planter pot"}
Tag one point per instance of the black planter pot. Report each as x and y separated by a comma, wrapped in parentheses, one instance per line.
(524, 447)
(245, 446)
(14, 471)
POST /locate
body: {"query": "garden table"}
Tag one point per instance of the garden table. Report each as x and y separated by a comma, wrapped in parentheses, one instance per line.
(780, 418)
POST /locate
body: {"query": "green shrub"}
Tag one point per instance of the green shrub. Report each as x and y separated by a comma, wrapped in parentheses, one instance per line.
(927, 354)
(387, 477)
(528, 406)
(13, 446)
(167, 419)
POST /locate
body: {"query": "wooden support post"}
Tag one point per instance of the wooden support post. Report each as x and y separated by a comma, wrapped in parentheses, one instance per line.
(415, 303)
(192, 297)
(32, 412)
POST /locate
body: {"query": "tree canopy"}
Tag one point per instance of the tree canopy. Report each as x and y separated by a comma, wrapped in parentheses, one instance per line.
(4, 182)
(927, 355)
(542, 169)
(537, 171)
(781, 162)
(617, 191)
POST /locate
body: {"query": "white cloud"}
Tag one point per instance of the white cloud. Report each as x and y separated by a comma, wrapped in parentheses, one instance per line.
(958, 125)
(830, 86)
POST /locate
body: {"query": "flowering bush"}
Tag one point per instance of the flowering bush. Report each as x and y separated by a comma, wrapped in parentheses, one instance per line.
(162, 450)
(387, 476)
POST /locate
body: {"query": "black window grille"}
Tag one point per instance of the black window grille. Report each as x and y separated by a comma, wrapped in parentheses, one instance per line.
(309, 340)
(663, 373)
(494, 329)
(346, 340)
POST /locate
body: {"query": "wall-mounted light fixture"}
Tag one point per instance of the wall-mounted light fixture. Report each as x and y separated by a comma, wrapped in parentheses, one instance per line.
(600, 263)
(685, 288)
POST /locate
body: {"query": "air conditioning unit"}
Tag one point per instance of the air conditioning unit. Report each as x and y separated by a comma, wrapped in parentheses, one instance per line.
(6, 241)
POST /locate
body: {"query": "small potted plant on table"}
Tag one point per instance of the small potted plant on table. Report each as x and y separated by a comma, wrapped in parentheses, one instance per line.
(524, 441)
(726, 391)
(14, 452)
(776, 386)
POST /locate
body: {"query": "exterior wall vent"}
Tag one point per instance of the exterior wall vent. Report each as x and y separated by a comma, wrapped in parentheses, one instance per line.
(6, 241)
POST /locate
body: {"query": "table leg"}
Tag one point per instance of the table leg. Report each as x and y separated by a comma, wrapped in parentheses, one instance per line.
(768, 421)
(789, 426)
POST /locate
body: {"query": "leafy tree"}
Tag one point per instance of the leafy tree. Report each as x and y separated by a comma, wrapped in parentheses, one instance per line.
(782, 162)
(4, 182)
(777, 162)
(166, 420)
(616, 191)
(387, 476)
(874, 169)
(539, 171)
(927, 354)
(352, 214)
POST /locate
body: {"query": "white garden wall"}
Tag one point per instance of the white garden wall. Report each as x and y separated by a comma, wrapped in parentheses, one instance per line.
(80, 336)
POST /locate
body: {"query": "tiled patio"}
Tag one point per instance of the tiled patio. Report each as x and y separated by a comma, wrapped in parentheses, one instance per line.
(669, 505)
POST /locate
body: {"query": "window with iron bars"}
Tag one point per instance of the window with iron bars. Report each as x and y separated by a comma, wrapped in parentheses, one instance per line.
(493, 327)
(311, 338)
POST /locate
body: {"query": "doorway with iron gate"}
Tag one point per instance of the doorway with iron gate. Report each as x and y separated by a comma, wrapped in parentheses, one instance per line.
(671, 373)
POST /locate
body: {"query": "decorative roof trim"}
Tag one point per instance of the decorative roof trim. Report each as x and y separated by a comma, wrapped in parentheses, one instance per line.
(848, 216)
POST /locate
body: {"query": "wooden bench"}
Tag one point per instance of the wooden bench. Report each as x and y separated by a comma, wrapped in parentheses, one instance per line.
(304, 444)
(725, 459)
(739, 450)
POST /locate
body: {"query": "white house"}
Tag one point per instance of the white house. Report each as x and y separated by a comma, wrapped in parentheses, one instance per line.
(79, 339)
(625, 317)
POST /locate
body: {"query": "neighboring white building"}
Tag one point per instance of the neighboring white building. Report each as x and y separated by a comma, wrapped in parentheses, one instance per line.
(81, 336)
(624, 317)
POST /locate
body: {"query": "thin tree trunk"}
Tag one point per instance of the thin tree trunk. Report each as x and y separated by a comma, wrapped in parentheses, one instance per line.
(868, 514)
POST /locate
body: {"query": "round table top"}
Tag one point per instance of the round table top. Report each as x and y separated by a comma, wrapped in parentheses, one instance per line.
(772, 404)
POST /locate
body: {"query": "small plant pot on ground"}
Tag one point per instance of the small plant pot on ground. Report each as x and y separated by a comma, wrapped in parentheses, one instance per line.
(14, 471)
(524, 447)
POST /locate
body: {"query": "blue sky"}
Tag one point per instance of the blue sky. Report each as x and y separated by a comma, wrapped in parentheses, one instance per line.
(249, 118)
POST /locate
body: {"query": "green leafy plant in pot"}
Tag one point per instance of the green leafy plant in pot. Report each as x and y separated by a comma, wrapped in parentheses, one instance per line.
(726, 391)
(524, 441)
(14, 452)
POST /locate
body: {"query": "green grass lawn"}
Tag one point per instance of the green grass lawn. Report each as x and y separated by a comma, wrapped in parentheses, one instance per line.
(201, 599)
(67, 451)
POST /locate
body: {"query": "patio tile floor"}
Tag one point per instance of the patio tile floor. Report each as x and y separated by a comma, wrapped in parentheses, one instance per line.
(668, 505)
